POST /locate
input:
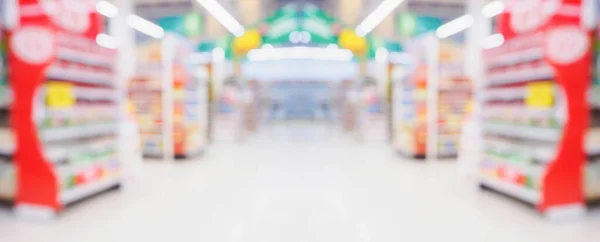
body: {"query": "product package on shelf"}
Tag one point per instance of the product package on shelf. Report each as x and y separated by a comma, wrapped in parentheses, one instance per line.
(7, 178)
(79, 117)
(592, 143)
(410, 114)
(430, 98)
(64, 86)
(534, 125)
(454, 95)
(165, 76)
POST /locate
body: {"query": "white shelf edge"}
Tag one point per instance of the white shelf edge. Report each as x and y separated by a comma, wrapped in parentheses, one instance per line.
(77, 132)
(511, 189)
(83, 191)
(524, 132)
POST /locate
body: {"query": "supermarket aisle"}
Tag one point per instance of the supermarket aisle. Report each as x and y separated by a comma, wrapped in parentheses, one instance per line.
(298, 183)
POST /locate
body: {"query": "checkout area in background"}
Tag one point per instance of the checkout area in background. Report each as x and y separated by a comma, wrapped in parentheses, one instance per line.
(299, 100)
(362, 110)
(236, 113)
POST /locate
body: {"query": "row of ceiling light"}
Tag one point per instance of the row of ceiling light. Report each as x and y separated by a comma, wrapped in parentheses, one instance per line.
(457, 25)
(367, 25)
(464, 22)
(140, 24)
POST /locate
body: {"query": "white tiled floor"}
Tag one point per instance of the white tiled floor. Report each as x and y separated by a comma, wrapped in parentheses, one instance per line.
(299, 184)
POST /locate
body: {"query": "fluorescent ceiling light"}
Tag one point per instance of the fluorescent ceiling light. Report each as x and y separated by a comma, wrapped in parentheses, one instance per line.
(493, 41)
(378, 15)
(459, 24)
(145, 26)
(492, 9)
(300, 52)
(107, 9)
(228, 21)
(107, 41)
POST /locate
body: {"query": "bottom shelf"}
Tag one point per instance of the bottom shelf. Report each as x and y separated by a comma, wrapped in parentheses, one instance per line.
(83, 191)
(512, 190)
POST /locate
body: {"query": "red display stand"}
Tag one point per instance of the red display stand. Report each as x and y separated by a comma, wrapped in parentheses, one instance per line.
(536, 105)
(58, 74)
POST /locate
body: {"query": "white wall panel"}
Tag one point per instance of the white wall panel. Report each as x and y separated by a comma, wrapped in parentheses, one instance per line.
(300, 70)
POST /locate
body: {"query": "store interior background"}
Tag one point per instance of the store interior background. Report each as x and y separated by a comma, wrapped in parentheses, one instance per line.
(303, 120)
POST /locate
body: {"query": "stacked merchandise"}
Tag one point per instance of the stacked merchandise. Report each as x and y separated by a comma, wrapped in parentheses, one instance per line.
(593, 136)
(454, 94)
(534, 127)
(521, 116)
(80, 120)
(188, 86)
(145, 94)
(76, 122)
(6, 137)
(410, 114)
(190, 109)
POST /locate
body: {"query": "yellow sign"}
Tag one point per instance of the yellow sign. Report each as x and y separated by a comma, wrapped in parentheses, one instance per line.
(349, 40)
(250, 40)
(60, 94)
(540, 94)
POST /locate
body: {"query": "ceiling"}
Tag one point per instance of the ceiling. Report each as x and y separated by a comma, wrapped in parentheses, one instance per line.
(349, 11)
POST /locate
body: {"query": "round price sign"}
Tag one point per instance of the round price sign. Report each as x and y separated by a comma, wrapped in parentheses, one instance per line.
(566, 44)
(530, 15)
(33, 44)
(71, 15)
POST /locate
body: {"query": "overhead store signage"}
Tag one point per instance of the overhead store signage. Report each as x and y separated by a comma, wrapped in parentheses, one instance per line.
(410, 25)
(189, 25)
(250, 40)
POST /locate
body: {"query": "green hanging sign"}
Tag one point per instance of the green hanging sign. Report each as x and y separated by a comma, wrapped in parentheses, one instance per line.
(410, 25)
(189, 25)
(206, 46)
(193, 25)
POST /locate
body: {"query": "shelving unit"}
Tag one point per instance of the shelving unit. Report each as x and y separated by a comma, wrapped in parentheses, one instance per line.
(170, 95)
(7, 143)
(454, 94)
(410, 112)
(65, 132)
(535, 117)
(430, 98)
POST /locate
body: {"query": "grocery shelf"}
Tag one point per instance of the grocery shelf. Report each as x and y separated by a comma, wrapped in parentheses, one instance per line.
(86, 131)
(524, 132)
(539, 153)
(83, 191)
(83, 57)
(505, 94)
(80, 76)
(517, 57)
(517, 76)
(75, 90)
(511, 189)
(524, 123)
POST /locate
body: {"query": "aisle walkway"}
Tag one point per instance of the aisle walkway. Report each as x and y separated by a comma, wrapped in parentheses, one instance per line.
(299, 184)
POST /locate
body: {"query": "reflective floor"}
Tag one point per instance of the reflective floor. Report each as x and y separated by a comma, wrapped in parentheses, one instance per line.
(299, 183)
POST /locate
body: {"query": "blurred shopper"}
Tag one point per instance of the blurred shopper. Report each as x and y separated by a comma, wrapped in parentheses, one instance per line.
(365, 95)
